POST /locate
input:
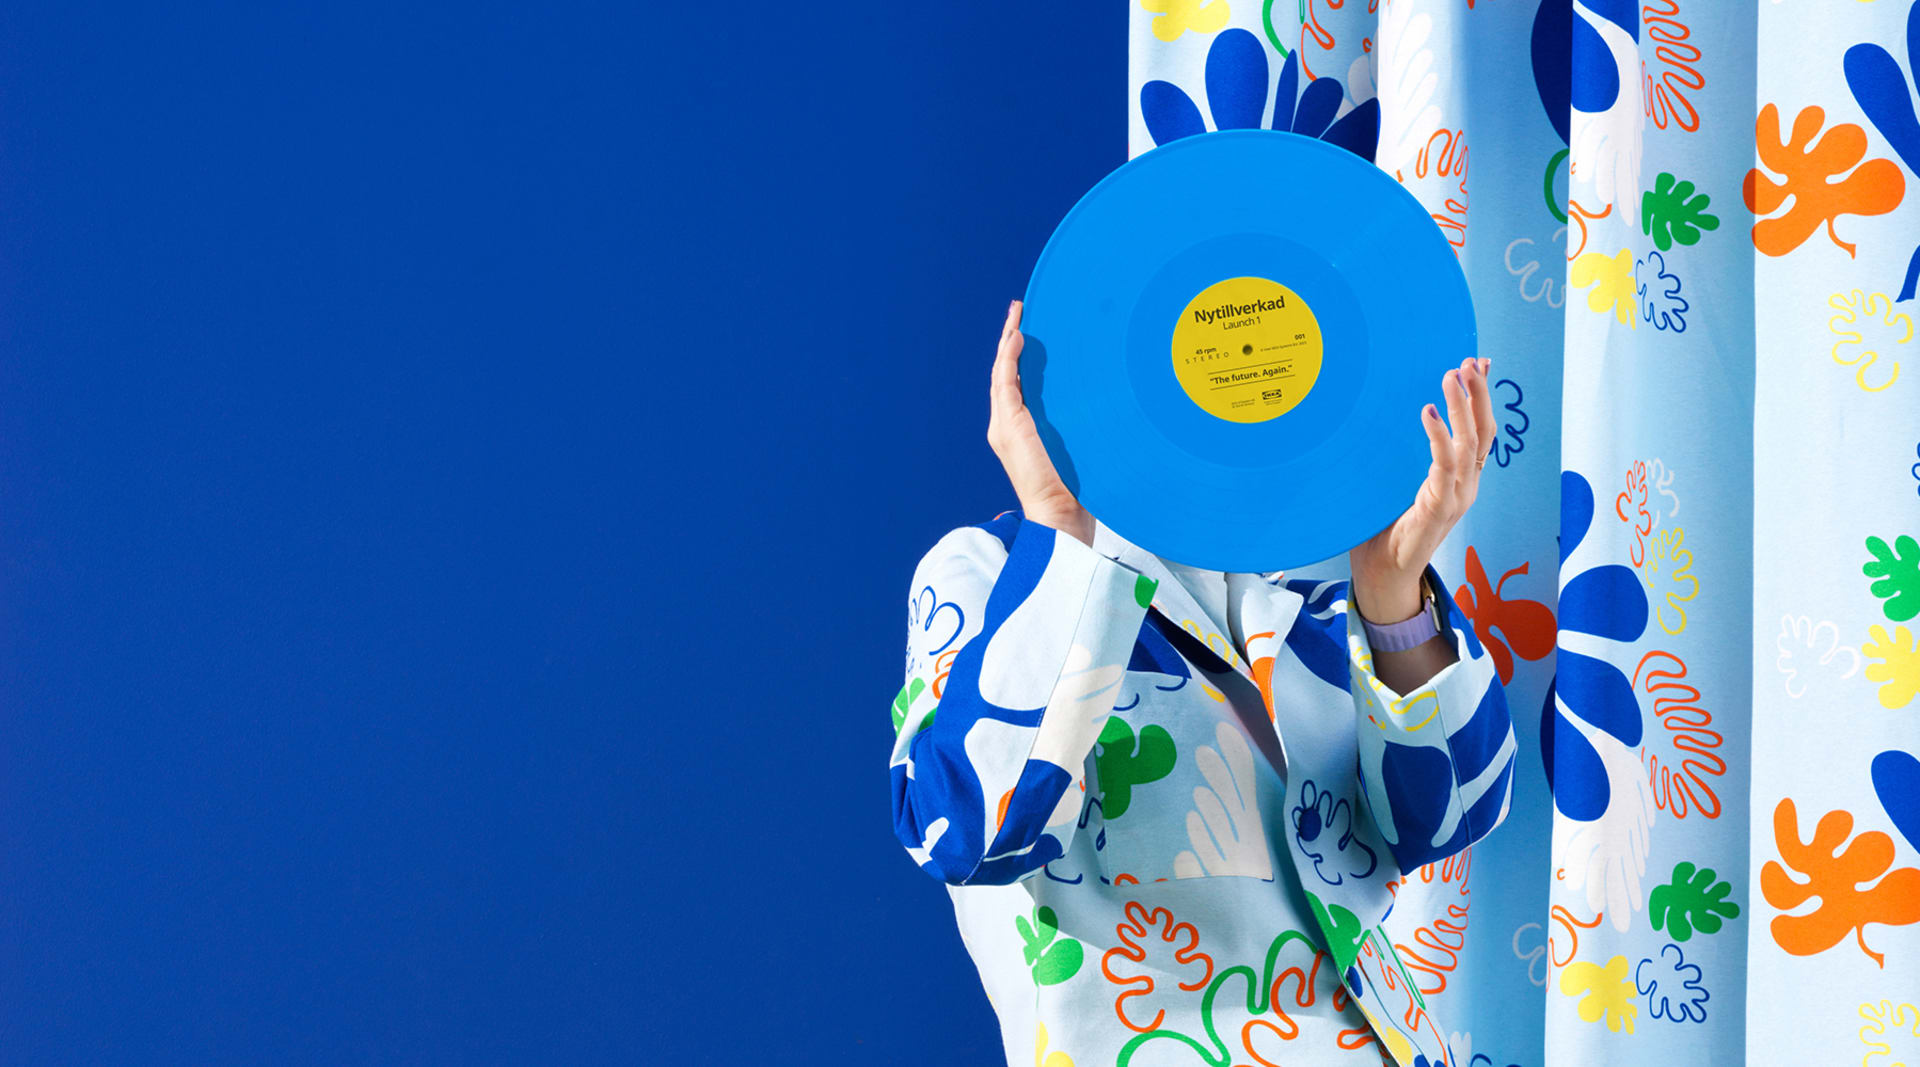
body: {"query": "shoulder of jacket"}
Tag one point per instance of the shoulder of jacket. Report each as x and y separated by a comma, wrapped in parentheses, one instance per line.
(980, 542)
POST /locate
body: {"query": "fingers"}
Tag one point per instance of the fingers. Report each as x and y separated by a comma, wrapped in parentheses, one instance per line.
(1466, 442)
(1004, 392)
(1437, 442)
(1480, 388)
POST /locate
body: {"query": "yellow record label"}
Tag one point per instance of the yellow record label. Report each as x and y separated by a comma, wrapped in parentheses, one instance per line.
(1247, 349)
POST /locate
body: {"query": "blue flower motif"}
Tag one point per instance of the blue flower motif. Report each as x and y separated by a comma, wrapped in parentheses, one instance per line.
(1916, 469)
(1660, 299)
(1237, 90)
(1503, 453)
(1594, 74)
(1552, 60)
(1683, 1000)
(1880, 86)
(1320, 819)
(1896, 781)
(1605, 602)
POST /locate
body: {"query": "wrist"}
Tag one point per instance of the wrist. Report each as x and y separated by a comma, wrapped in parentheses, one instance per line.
(1401, 634)
(1076, 523)
(1389, 599)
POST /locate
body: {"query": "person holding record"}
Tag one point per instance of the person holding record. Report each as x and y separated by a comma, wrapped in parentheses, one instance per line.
(1174, 806)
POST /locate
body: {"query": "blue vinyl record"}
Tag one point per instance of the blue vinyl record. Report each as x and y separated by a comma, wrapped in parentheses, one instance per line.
(1228, 343)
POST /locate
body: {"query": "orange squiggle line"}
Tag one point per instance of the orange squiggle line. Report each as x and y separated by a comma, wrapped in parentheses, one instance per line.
(1321, 35)
(1559, 913)
(1304, 996)
(1356, 1039)
(1448, 869)
(1692, 728)
(1636, 482)
(1140, 922)
(1450, 160)
(1146, 981)
(942, 666)
(1682, 76)
(1415, 1015)
(1582, 215)
(1454, 868)
(1446, 952)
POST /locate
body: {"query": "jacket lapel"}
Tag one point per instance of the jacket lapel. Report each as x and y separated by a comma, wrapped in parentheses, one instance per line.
(1174, 600)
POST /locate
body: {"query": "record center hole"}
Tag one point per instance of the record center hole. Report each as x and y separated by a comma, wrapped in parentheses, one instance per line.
(1246, 350)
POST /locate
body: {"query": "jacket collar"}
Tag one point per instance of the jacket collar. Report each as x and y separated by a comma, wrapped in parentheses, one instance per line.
(1174, 598)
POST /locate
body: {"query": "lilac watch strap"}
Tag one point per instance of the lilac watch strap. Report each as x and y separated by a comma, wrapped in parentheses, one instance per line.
(1407, 633)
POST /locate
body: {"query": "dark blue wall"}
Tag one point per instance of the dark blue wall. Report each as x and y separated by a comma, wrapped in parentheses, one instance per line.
(460, 472)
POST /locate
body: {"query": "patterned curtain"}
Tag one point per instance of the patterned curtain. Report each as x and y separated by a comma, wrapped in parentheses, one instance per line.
(1685, 227)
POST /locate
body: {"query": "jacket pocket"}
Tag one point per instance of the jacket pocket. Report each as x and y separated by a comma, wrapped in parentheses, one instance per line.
(1180, 789)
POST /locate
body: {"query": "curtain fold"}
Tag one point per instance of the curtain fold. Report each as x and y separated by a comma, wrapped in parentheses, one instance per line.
(1686, 232)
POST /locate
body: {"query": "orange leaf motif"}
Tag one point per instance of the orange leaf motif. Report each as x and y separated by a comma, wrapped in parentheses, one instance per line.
(1874, 189)
(1835, 877)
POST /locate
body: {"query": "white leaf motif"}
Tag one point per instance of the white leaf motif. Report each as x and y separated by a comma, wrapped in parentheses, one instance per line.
(1225, 827)
(1607, 145)
(1409, 82)
(1607, 857)
(1800, 645)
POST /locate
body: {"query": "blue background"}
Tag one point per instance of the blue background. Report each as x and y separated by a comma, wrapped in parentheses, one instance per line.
(460, 472)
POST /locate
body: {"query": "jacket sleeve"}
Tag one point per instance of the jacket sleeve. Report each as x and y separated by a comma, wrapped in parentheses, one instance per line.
(1436, 764)
(1017, 639)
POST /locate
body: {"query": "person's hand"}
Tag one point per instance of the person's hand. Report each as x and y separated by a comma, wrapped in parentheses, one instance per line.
(1044, 498)
(1387, 566)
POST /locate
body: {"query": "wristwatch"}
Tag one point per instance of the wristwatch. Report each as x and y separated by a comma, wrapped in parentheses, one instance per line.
(1399, 636)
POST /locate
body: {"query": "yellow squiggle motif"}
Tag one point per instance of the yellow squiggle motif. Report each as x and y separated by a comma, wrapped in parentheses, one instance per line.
(1875, 307)
(1898, 665)
(1404, 708)
(1377, 694)
(1877, 1017)
(1215, 643)
(1612, 281)
(1175, 17)
(1043, 1058)
(1667, 548)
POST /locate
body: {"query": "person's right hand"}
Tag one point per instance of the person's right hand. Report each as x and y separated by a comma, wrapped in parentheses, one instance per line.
(1044, 498)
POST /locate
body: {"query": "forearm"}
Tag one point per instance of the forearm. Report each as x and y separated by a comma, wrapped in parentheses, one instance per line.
(1025, 642)
(1388, 601)
(1436, 739)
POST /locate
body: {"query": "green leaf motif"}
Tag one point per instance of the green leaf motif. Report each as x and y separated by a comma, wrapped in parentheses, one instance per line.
(1143, 588)
(1691, 901)
(1342, 930)
(1123, 761)
(1896, 574)
(903, 704)
(1053, 959)
(1671, 212)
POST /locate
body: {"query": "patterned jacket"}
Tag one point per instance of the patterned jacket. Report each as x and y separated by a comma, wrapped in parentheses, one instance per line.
(1112, 720)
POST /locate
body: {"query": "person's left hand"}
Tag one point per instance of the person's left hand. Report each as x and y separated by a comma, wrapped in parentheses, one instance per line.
(1387, 566)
